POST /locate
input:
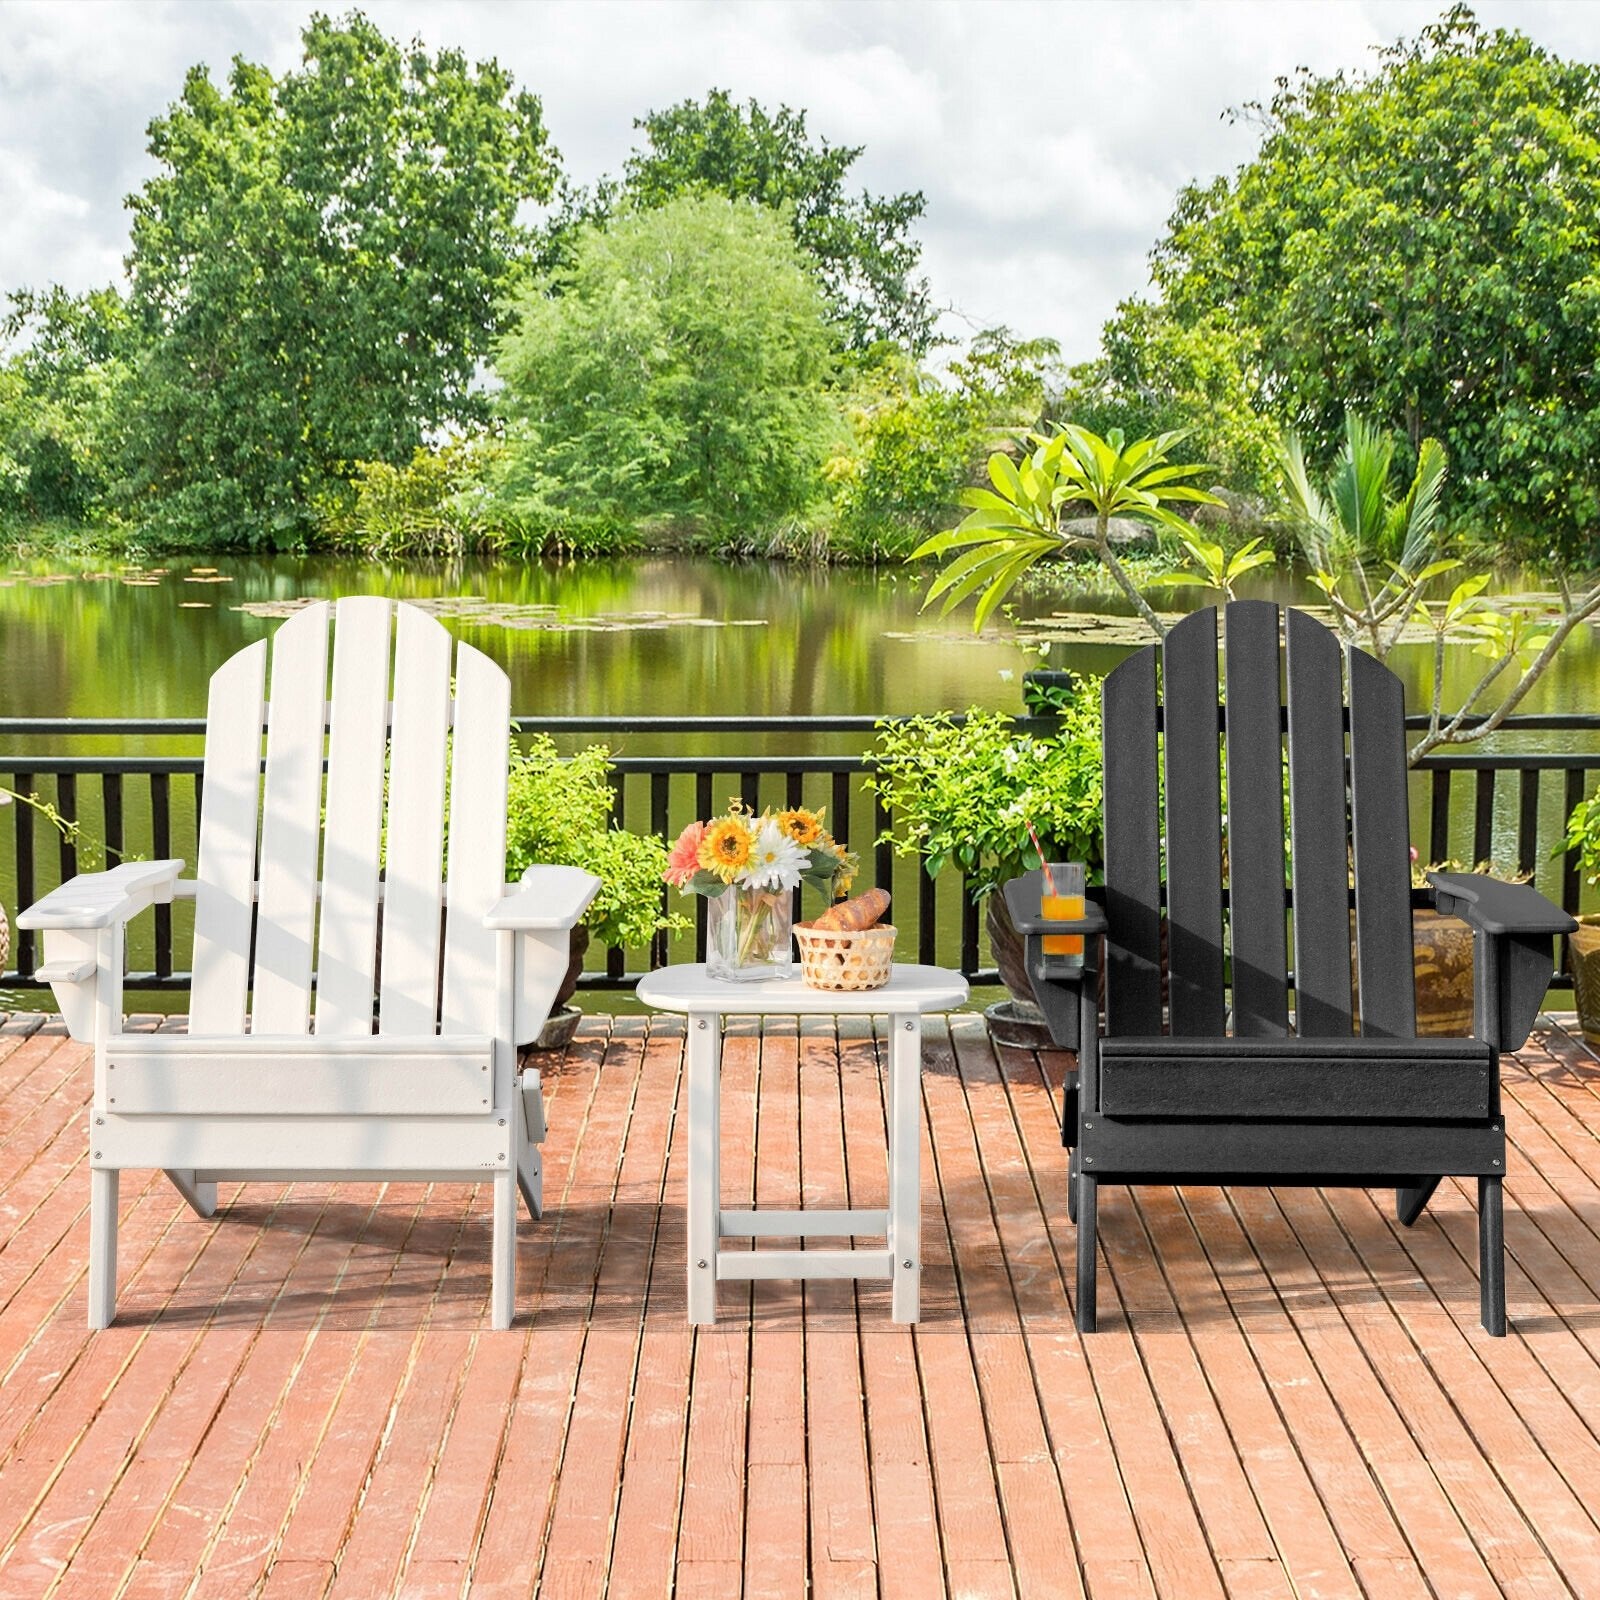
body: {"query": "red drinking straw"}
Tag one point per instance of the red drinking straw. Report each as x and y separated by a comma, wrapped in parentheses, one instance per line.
(1049, 876)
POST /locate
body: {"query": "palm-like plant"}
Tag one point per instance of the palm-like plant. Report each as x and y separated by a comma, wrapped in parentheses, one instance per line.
(1369, 552)
(1028, 514)
(1374, 556)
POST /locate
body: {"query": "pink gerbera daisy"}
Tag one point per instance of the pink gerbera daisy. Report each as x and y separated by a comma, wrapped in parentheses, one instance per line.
(684, 861)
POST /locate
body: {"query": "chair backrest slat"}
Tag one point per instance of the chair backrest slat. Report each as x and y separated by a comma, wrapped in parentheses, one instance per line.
(291, 824)
(477, 846)
(1133, 848)
(1255, 821)
(225, 874)
(1343, 815)
(1319, 840)
(1380, 833)
(413, 865)
(347, 935)
(1194, 827)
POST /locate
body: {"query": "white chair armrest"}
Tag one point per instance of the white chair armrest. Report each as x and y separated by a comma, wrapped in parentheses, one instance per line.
(547, 897)
(103, 899)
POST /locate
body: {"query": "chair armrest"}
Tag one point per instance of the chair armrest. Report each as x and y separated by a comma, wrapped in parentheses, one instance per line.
(547, 898)
(1492, 905)
(103, 899)
(1025, 895)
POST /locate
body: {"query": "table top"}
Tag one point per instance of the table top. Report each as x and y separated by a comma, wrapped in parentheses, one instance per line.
(910, 989)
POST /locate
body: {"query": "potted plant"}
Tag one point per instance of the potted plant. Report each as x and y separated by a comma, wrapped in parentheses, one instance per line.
(559, 814)
(1583, 944)
(963, 791)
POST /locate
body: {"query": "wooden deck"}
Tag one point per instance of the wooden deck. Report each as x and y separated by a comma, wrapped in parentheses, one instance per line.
(1290, 1397)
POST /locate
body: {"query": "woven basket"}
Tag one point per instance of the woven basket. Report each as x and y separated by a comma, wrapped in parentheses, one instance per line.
(832, 959)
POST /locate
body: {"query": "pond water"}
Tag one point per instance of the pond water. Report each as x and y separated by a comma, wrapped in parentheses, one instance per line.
(650, 637)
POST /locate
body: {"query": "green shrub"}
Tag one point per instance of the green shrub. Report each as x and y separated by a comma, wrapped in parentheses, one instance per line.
(963, 793)
(559, 814)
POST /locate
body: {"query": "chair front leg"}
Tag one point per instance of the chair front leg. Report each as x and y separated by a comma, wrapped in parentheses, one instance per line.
(1087, 1247)
(1491, 1257)
(102, 1246)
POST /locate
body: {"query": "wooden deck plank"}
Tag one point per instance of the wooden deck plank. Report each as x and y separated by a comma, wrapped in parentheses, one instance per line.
(301, 1397)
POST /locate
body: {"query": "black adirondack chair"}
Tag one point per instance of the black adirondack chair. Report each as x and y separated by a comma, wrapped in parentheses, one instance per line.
(1337, 1089)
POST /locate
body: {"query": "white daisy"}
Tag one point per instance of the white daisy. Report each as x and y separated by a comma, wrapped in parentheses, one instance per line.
(776, 861)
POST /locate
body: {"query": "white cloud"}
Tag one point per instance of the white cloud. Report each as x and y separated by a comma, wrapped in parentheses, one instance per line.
(1049, 139)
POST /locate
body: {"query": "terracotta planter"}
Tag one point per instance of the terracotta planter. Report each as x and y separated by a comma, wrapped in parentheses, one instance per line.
(1442, 950)
(1583, 957)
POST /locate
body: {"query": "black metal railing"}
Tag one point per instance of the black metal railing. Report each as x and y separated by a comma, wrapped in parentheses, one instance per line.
(1505, 806)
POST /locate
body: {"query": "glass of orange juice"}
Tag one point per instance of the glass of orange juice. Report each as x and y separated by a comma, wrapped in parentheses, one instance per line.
(1065, 905)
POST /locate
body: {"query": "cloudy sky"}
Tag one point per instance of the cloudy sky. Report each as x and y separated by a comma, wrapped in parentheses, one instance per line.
(1048, 138)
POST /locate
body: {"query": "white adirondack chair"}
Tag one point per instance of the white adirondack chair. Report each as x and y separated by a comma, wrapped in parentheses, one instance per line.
(405, 1066)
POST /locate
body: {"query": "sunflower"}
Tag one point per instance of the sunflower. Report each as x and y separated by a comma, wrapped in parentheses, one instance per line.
(725, 849)
(804, 827)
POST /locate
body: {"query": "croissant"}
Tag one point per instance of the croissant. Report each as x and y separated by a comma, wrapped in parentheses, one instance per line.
(851, 916)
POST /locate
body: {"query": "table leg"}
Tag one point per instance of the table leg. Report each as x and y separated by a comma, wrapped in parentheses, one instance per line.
(905, 1165)
(705, 1161)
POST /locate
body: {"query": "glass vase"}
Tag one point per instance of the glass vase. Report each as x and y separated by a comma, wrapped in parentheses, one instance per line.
(748, 935)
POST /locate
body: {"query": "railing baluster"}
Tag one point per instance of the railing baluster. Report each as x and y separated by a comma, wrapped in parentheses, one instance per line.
(969, 927)
(702, 810)
(883, 851)
(616, 956)
(1571, 879)
(659, 792)
(27, 892)
(1439, 826)
(839, 820)
(111, 812)
(927, 919)
(161, 850)
(1483, 817)
(1528, 821)
(67, 806)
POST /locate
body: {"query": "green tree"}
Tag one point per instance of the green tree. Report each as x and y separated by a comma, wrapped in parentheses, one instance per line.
(62, 406)
(1423, 243)
(318, 267)
(860, 245)
(915, 442)
(677, 370)
(1156, 374)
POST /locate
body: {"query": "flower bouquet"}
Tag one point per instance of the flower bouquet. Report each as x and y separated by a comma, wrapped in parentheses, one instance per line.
(748, 867)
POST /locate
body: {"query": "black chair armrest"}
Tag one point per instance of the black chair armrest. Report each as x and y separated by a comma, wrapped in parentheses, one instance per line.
(1025, 895)
(1515, 927)
(1495, 906)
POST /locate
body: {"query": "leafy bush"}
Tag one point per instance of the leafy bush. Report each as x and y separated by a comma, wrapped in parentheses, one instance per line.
(559, 814)
(963, 793)
(915, 443)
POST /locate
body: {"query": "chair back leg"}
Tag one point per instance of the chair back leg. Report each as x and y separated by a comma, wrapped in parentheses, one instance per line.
(1087, 1244)
(1491, 1257)
(1411, 1198)
(102, 1246)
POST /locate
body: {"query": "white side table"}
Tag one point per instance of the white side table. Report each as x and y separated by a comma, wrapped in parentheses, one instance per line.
(706, 1001)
